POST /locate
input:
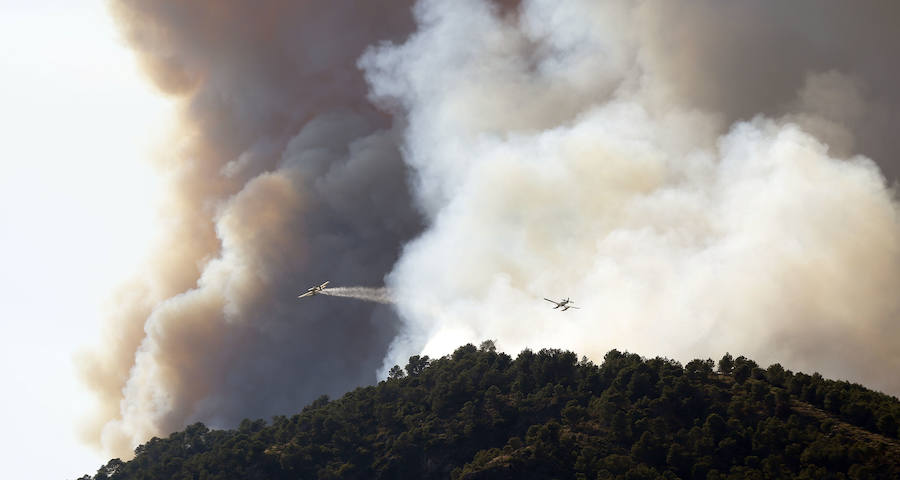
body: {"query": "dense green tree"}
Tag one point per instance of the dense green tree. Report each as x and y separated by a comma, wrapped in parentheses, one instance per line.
(776, 375)
(488, 346)
(741, 373)
(726, 364)
(396, 373)
(479, 414)
(887, 425)
(416, 365)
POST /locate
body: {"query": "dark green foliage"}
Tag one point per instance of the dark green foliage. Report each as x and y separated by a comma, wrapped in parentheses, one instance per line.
(479, 414)
(416, 365)
(395, 373)
(776, 375)
(726, 364)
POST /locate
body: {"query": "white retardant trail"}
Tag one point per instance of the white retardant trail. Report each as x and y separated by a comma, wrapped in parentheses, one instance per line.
(369, 294)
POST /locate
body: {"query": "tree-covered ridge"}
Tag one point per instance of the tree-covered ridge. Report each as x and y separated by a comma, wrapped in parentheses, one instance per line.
(479, 414)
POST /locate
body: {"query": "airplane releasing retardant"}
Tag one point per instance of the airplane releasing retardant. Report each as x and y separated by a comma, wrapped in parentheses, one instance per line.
(564, 303)
(314, 290)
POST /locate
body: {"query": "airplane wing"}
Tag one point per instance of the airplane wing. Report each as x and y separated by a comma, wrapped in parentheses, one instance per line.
(552, 301)
(568, 307)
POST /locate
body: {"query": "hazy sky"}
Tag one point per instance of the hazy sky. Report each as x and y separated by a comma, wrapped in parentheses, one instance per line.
(698, 176)
(78, 123)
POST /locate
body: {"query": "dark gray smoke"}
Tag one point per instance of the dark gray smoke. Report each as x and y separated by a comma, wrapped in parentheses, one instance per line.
(741, 59)
(284, 175)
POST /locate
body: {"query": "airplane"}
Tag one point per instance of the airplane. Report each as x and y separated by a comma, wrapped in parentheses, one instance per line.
(314, 290)
(564, 303)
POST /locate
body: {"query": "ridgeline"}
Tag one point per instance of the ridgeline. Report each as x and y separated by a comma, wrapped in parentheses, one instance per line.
(479, 414)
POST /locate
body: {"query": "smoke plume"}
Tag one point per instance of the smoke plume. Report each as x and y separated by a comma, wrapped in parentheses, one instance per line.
(558, 151)
(698, 177)
(282, 175)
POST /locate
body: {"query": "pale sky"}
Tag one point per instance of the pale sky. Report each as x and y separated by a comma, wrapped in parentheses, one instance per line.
(77, 194)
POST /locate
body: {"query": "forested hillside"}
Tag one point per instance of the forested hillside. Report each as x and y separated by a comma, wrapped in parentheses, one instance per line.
(479, 414)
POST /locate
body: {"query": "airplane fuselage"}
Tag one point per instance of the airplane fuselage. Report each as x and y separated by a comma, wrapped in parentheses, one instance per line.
(565, 304)
(314, 290)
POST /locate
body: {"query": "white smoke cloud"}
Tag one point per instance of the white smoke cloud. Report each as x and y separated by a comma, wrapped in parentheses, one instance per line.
(551, 160)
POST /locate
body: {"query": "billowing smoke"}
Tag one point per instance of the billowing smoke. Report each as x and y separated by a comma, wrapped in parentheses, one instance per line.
(696, 176)
(282, 176)
(558, 151)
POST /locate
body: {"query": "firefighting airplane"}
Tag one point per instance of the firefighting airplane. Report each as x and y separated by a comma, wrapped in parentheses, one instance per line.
(564, 303)
(314, 290)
